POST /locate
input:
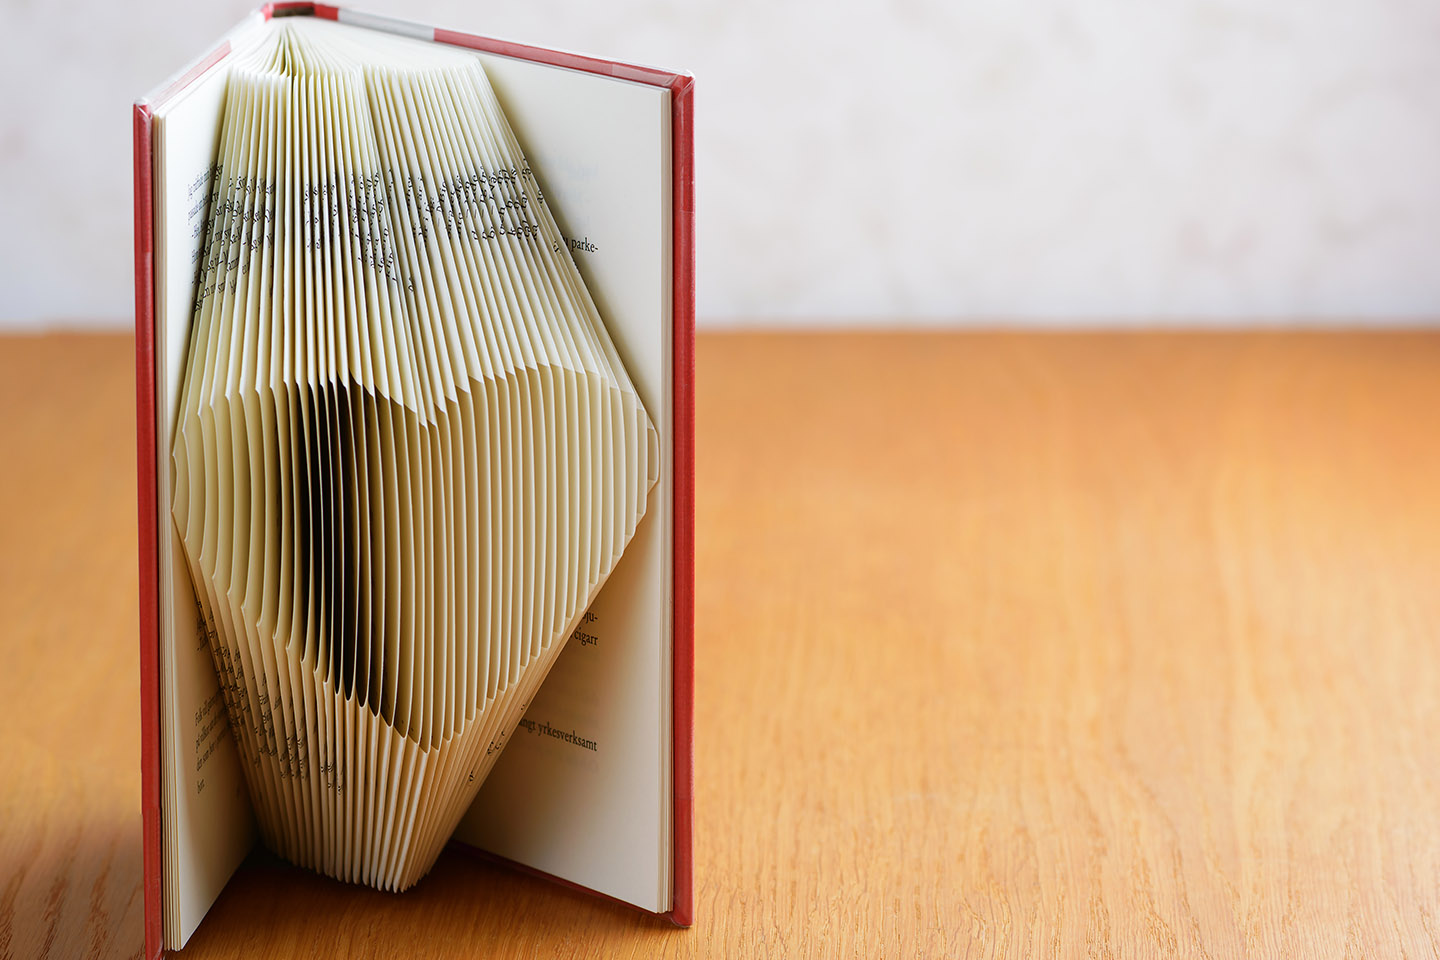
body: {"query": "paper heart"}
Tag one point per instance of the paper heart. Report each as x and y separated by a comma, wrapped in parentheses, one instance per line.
(407, 454)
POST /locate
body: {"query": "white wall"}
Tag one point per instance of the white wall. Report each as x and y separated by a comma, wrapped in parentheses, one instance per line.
(922, 160)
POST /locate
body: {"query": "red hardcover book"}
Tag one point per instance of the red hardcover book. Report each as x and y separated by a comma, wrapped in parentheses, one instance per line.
(593, 787)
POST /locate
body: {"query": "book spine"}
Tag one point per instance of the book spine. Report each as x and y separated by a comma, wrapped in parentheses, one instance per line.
(323, 11)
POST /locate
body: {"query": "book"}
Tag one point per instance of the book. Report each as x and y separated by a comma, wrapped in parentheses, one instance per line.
(414, 341)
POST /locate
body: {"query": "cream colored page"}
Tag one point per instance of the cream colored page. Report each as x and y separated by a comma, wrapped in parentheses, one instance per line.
(583, 790)
(472, 266)
(208, 826)
(610, 145)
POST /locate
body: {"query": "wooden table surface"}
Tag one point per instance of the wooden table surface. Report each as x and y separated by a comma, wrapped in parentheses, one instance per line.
(1007, 645)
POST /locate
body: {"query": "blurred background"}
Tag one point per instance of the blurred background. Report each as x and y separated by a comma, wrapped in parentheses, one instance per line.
(915, 163)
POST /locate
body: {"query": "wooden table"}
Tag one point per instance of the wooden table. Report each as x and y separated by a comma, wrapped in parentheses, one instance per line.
(1007, 645)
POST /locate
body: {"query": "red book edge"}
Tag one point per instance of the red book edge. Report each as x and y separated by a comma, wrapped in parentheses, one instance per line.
(682, 139)
(150, 747)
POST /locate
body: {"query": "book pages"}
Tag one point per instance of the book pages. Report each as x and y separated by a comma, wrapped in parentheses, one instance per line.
(407, 454)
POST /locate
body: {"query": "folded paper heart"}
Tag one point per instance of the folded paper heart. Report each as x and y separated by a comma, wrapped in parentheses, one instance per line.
(407, 453)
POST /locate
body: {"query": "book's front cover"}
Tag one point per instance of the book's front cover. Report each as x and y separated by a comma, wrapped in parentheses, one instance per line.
(680, 87)
(145, 484)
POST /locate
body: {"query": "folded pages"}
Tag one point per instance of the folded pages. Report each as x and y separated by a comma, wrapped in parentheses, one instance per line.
(407, 453)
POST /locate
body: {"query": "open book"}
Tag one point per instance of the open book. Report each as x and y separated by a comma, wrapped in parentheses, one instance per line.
(414, 332)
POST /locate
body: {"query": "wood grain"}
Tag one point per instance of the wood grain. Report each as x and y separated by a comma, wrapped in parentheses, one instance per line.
(1007, 645)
